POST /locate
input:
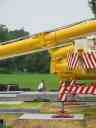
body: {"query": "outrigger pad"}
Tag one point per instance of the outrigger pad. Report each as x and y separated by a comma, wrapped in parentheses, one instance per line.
(62, 116)
(68, 116)
(36, 116)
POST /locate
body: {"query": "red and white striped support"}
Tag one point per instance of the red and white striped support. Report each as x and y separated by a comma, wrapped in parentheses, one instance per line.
(72, 59)
(90, 60)
(75, 89)
(78, 89)
(61, 94)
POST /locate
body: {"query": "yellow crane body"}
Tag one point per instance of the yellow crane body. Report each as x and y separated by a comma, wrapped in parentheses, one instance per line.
(52, 40)
(47, 40)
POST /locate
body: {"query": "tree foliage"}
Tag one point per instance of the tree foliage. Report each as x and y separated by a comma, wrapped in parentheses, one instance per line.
(37, 62)
(92, 4)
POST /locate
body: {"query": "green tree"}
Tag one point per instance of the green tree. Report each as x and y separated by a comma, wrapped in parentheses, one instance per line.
(92, 4)
(37, 62)
(3, 33)
(18, 33)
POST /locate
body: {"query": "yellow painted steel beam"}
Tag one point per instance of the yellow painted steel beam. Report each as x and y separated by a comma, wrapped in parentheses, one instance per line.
(47, 40)
(59, 52)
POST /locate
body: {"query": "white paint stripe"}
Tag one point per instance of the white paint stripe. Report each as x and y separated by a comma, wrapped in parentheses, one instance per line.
(72, 82)
(89, 61)
(73, 89)
(90, 90)
(61, 90)
(78, 90)
(93, 61)
(85, 61)
(94, 54)
(75, 61)
(69, 59)
(63, 97)
(72, 60)
(94, 92)
(69, 87)
(84, 90)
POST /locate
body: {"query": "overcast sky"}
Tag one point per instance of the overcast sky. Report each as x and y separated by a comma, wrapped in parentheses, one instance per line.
(41, 15)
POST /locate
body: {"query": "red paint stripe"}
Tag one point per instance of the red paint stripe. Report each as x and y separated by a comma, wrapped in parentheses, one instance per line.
(91, 61)
(79, 90)
(63, 97)
(88, 61)
(72, 60)
(90, 89)
(93, 91)
(85, 60)
(74, 89)
(84, 91)
(60, 85)
(72, 82)
(69, 88)
(75, 62)
(93, 55)
(62, 90)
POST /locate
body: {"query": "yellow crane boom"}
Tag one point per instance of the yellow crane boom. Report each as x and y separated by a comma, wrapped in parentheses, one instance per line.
(47, 40)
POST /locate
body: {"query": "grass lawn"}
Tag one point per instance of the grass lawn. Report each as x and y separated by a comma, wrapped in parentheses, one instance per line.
(29, 80)
(25, 105)
(32, 80)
